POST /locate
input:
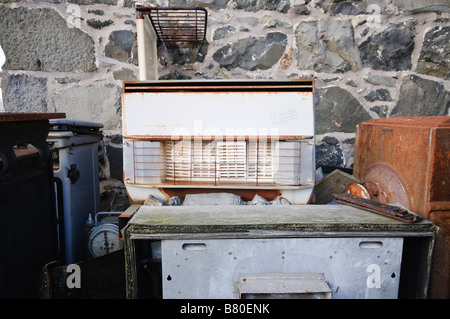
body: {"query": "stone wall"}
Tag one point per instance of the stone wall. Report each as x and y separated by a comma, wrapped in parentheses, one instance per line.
(370, 59)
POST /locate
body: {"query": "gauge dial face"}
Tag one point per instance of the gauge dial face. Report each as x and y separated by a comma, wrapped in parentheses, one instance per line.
(104, 240)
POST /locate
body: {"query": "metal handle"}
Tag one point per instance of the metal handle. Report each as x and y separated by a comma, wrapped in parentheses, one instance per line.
(370, 244)
(194, 246)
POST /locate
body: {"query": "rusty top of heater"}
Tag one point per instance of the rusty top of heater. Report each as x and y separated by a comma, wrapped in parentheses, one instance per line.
(417, 121)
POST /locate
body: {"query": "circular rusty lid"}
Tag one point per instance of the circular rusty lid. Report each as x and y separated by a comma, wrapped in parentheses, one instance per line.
(385, 185)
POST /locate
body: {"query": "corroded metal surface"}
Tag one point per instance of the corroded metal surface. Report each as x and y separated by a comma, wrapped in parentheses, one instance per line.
(357, 190)
(392, 211)
(440, 276)
(384, 185)
(407, 158)
(176, 26)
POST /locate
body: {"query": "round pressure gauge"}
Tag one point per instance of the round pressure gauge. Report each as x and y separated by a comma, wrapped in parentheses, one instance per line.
(104, 239)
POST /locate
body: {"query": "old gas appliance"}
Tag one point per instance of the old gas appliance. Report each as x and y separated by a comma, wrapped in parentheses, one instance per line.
(246, 137)
(74, 146)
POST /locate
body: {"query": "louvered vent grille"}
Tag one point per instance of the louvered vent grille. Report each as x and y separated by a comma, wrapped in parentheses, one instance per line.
(189, 162)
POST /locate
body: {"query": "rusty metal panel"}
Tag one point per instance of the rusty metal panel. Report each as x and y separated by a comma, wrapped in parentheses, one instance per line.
(391, 211)
(440, 275)
(406, 159)
(177, 26)
(440, 169)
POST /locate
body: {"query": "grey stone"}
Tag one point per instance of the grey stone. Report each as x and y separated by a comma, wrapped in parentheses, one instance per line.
(256, 5)
(326, 46)
(214, 4)
(350, 141)
(175, 75)
(130, 22)
(182, 56)
(116, 139)
(389, 50)
(94, 102)
(381, 80)
(343, 7)
(271, 22)
(99, 24)
(434, 57)
(124, 75)
(108, 2)
(129, 3)
(41, 40)
(364, 32)
(330, 140)
(381, 110)
(421, 97)
(114, 199)
(333, 79)
(346, 7)
(122, 46)
(301, 9)
(378, 95)
(51, 1)
(24, 93)
(336, 110)
(115, 159)
(223, 32)
(66, 80)
(97, 12)
(418, 6)
(442, 20)
(351, 83)
(252, 53)
(329, 155)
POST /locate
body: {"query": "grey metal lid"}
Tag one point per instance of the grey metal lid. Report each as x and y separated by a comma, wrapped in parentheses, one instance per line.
(76, 126)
